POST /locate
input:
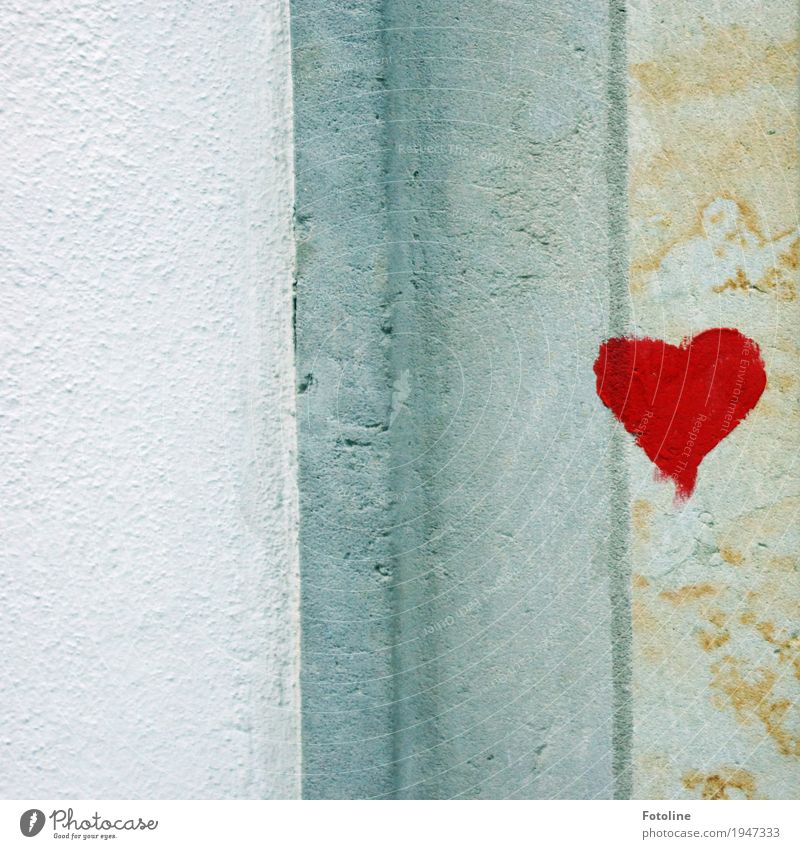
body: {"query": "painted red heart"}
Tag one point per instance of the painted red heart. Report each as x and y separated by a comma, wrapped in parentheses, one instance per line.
(681, 401)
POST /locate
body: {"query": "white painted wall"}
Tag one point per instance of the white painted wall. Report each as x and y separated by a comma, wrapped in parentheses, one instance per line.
(148, 577)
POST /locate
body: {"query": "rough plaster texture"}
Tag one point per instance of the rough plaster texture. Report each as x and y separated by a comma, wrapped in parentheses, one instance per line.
(147, 574)
(453, 284)
(715, 242)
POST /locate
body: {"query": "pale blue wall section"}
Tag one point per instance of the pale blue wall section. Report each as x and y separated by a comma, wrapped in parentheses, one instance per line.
(453, 256)
(344, 396)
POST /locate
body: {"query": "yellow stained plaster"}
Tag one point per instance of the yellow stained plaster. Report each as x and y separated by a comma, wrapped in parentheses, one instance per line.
(714, 241)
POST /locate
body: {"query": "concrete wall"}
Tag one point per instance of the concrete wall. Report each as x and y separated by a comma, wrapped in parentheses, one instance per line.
(147, 574)
(456, 198)
(499, 599)
(485, 192)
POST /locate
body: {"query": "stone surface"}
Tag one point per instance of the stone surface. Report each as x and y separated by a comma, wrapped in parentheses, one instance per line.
(714, 243)
(148, 570)
(453, 228)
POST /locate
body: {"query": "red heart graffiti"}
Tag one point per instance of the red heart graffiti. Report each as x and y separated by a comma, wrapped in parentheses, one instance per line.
(681, 401)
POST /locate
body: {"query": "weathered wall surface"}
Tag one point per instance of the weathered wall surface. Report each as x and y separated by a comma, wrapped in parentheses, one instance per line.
(714, 243)
(147, 572)
(453, 197)
(345, 400)
(470, 510)
(476, 212)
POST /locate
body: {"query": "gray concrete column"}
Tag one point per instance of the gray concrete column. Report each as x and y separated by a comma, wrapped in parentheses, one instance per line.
(463, 583)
